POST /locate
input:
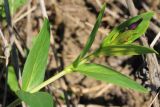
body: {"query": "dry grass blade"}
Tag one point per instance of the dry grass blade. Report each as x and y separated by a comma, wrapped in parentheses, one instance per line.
(155, 40)
(153, 100)
(24, 15)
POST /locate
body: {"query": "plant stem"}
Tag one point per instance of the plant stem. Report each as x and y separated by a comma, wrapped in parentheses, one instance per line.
(62, 73)
(50, 80)
(14, 103)
(45, 83)
(67, 70)
(90, 57)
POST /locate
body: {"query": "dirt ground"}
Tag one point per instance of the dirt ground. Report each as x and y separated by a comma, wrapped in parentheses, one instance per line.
(71, 23)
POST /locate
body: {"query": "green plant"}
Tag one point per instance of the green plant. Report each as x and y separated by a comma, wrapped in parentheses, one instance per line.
(12, 5)
(118, 42)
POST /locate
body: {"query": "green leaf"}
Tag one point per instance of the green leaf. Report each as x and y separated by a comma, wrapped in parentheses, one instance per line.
(109, 75)
(142, 21)
(38, 99)
(91, 37)
(12, 80)
(34, 69)
(126, 49)
(14, 5)
(123, 38)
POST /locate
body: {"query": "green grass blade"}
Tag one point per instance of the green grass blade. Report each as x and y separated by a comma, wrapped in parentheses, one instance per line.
(38, 99)
(138, 31)
(14, 5)
(92, 36)
(109, 75)
(12, 80)
(34, 69)
(126, 49)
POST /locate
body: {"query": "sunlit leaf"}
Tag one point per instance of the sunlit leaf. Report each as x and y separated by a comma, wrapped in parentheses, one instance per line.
(109, 75)
(38, 99)
(34, 69)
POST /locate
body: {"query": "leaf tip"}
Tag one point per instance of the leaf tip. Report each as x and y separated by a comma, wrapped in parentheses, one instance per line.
(151, 13)
(154, 51)
(46, 22)
(103, 8)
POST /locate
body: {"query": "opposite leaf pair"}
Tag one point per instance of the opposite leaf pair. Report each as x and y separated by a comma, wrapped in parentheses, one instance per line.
(118, 42)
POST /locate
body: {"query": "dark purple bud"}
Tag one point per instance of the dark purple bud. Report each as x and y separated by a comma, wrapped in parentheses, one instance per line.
(134, 25)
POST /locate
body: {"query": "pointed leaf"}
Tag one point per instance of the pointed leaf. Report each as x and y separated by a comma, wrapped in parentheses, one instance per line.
(109, 75)
(12, 80)
(126, 49)
(34, 69)
(92, 36)
(140, 24)
(38, 99)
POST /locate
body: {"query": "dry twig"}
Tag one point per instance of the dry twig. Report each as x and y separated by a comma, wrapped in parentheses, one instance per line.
(24, 15)
(155, 40)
